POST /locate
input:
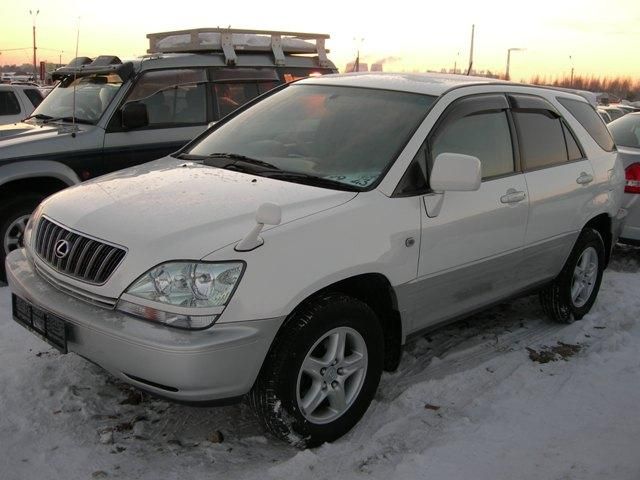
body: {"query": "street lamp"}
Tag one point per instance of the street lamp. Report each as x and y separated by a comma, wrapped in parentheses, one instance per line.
(506, 76)
(33, 16)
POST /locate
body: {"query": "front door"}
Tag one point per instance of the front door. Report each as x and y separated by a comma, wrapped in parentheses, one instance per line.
(471, 243)
(176, 102)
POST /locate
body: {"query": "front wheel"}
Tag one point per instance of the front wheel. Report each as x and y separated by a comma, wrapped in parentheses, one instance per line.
(13, 220)
(322, 371)
(574, 291)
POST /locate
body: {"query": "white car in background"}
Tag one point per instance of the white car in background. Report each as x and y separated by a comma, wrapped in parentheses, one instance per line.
(291, 250)
(626, 133)
(17, 102)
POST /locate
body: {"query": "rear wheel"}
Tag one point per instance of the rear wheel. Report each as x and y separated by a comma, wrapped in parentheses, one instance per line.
(322, 371)
(13, 220)
(574, 291)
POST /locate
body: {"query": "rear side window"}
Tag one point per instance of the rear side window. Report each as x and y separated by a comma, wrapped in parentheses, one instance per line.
(9, 103)
(626, 131)
(589, 119)
(573, 150)
(541, 137)
(484, 135)
(34, 96)
(230, 96)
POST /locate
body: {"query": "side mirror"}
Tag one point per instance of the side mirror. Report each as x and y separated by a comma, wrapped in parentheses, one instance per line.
(455, 172)
(134, 115)
(267, 214)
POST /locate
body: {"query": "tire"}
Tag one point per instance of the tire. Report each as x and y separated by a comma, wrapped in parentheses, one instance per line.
(311, 332)
(559, 302)
(12, 216)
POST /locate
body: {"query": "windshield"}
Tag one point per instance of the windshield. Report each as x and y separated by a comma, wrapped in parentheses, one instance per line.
(344, 134)
(93, 95)
(626, 130)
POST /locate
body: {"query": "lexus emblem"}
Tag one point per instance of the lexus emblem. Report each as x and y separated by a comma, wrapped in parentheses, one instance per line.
(61, 248)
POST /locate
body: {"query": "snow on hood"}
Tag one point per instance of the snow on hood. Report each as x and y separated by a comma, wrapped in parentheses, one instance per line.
(15, 128)
(171, 209)
(26, 139)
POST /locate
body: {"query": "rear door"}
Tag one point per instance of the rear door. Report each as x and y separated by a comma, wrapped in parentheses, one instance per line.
(560, 182)
(471, 248)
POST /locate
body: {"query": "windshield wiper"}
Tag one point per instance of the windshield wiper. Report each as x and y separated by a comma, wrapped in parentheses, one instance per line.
(69, 119)
(258, 167)
(39, 116)
(209, 160)
(312, 180)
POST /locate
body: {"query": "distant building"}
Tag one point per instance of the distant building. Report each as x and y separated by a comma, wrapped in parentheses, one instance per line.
(376, 67)
(362, 67)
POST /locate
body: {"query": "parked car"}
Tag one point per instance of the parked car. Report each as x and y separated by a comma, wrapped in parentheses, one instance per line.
(106, 114)
(604, 115)
(384, 205)
(614, 112)
(626, 133)
(17, 102)
(625, 108)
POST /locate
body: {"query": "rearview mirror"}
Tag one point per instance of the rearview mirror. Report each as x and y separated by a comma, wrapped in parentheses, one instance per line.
(455, 172)
(134, 115)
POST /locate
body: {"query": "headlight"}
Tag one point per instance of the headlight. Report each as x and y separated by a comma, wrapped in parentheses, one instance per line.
(33, 221)
(183, 294)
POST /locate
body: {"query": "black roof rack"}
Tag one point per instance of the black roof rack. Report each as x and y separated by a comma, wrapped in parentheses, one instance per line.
(82, 66)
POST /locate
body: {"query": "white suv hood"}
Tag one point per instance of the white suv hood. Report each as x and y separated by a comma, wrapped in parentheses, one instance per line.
(173, 209)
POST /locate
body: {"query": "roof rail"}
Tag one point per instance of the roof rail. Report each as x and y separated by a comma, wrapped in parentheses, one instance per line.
(228, 40)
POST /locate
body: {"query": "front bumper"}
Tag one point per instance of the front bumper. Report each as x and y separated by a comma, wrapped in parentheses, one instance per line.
(218, 363)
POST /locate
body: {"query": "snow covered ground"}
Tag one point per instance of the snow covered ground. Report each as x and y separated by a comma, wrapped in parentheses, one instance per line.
(467, 402)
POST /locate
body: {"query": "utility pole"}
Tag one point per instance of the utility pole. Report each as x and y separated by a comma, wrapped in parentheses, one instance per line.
(506, 76)
(356, 64)
(473, 30)
(33, 16)
(571, 60)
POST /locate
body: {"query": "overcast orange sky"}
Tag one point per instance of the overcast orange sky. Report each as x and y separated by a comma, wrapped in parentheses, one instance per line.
(597, 38)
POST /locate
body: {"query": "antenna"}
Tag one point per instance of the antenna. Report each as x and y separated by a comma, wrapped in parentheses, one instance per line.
(473, 29)
(75, 76)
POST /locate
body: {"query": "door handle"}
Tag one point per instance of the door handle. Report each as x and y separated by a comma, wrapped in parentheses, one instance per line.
(513, 196)
(584, 178)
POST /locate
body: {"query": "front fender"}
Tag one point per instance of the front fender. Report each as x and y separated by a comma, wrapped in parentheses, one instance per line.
(37, 168)
(366, 235)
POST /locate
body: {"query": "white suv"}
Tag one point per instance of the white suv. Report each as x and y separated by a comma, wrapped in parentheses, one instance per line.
(105, 114)
(292, 249)
(17, 102)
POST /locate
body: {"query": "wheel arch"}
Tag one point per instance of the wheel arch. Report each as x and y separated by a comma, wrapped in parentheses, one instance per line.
(39, 176)
(376, 291)
(602, 223)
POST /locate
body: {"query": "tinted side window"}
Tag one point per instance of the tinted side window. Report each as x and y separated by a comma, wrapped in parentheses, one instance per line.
(9, 103)
(541, 139)
(34, 96)
(589, 119)
(573, 150)
(172, 97)
(230, 96)
(626, 131)
(484, 135)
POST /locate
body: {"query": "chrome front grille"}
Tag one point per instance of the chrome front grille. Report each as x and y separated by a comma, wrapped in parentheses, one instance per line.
(74, 254)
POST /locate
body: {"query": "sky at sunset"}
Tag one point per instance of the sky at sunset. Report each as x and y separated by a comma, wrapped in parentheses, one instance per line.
(602, 39)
